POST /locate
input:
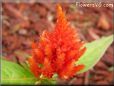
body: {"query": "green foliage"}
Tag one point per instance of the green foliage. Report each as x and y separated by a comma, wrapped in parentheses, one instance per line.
(12, 73)
(95, 51)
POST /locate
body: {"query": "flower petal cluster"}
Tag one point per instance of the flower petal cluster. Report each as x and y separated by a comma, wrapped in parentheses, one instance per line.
(57, 51)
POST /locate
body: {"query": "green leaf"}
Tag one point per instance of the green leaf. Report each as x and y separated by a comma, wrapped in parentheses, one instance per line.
(94, 52)
(12, 73)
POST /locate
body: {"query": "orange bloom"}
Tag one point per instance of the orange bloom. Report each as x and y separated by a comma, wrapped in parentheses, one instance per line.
(57, 51)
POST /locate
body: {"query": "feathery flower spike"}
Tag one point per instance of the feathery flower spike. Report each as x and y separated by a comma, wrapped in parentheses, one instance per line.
(57, 51)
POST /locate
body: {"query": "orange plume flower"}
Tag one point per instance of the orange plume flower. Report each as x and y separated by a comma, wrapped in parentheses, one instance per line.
(57, 51)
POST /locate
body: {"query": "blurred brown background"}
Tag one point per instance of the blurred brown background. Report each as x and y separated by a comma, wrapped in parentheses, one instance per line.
(24, 22)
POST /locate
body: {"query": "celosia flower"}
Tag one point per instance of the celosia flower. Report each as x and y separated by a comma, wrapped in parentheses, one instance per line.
(57, 51)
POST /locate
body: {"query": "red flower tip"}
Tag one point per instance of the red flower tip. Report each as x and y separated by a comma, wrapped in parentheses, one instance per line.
(57, 51)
